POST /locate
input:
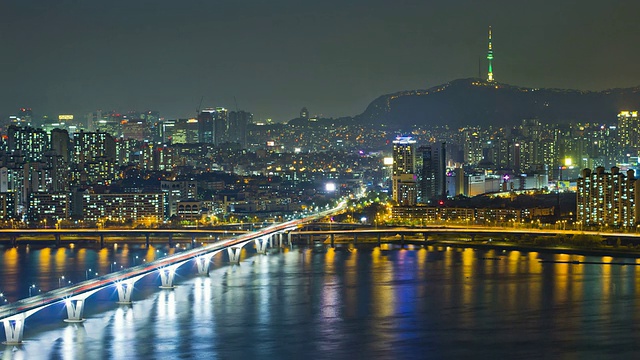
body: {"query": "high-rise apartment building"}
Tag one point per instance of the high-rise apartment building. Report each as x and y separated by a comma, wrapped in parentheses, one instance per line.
(94, 154)
(628, 133)
(32, 143)
(607, 199)
(404, 177)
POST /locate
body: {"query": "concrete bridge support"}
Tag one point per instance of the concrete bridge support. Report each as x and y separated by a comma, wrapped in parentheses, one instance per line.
(14, 240)
(234, 254)
(203, 262)
(57, 237)
(166, 277)
(261, 244)
(170, 241)
(125, 289)
(14, 326)
(146, 240)
(333, 240)
(14, 329)
(75, 309)
(101, 241)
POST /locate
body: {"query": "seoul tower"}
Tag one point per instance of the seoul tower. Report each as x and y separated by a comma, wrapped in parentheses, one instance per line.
(490, 58)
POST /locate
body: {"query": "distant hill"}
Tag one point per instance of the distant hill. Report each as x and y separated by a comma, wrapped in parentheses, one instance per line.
(476, 102)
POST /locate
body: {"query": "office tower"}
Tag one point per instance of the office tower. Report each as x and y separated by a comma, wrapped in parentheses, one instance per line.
(31, 143)
(137, 129)
(490, 59)
(404, 184)
(472, 146)
(185, 131)
(628, 133)
(221, 126)
(607, 199)
(433, 172)
(110, 123)
(205, 126)
(238, 122)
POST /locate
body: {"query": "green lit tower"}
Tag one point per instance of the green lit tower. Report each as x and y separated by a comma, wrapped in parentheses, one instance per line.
(490, 59)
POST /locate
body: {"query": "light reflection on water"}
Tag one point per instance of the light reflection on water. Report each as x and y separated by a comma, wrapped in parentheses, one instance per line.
(341, 303)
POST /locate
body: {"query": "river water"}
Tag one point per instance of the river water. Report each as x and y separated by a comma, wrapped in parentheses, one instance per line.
(389, 303)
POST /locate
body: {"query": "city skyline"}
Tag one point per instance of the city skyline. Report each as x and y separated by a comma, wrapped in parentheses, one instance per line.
(276, 58)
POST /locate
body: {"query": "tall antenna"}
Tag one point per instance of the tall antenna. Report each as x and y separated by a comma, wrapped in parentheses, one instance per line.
(490, 58)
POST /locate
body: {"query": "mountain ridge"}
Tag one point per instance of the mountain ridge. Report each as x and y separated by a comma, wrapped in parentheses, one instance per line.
(473, 101)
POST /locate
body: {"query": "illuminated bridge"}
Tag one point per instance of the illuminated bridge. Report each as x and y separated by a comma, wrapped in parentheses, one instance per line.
(423, 234)
(14, 315)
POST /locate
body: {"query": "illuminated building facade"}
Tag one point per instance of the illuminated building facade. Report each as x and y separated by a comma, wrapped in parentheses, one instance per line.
(607, 199)
(628, 133)
(52, 207)
(31, 143)
(122, 207)
(94, 155)
(404, 178)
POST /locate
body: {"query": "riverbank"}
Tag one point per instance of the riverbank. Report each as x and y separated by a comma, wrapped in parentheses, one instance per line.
(499, 245)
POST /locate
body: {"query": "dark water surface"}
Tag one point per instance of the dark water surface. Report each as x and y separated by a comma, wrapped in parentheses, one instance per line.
(418, 303)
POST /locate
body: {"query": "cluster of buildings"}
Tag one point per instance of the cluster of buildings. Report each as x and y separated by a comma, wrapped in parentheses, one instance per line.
(143, 168)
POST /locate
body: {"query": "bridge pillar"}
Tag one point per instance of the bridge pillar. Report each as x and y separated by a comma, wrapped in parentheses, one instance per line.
(146, 240)
(355, 238)
(473, 237)
(333, 240)
(57, 237)
(125, 289)
(379, 240)
(101, 240)
(426, 237)
(234, 254)
(193, 241)
(203, 262)
(402, 241)
(170, 240)
(14, 329)
(75, 308)
(166, 277)
(14, 240)
(261, 244)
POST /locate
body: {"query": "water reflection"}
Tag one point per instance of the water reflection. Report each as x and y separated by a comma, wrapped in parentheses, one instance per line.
(355, 303)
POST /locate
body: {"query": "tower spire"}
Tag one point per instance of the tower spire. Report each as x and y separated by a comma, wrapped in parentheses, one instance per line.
(490, 59)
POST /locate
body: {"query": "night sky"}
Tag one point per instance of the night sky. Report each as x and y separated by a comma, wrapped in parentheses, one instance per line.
(276, 56)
